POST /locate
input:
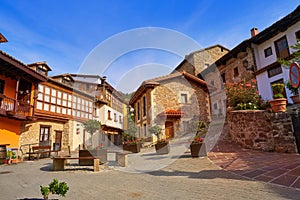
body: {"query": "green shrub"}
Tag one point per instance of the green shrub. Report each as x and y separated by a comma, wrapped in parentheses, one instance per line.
(55, 188)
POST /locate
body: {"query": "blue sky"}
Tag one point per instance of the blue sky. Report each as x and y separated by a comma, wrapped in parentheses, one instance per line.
(63, 33)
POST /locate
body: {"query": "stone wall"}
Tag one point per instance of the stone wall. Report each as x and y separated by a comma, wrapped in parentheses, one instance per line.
(262, 130)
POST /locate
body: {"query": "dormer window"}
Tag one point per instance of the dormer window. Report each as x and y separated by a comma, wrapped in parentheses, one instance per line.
(66, 80)
(41, 70)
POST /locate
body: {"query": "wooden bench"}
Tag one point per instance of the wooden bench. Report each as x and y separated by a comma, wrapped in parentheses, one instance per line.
(40, 150)
(59, 162)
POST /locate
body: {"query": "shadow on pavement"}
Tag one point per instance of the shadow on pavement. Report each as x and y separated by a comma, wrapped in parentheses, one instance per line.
(205, 174)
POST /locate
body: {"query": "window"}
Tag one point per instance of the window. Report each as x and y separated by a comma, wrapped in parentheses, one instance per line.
(183, 98)
(297, 35)
(120, 119)
(268, 52)
(212, 82)
(145, 130)
(109, 114)
(2, 82)
(44, 133)
(144, 106)
(274, 71)
(236, 72)
(115, 117)
(138, 110)
(282, 48)
(215, 106)
(223, 77)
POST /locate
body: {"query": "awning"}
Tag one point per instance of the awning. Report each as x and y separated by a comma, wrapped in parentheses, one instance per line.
(172, 113)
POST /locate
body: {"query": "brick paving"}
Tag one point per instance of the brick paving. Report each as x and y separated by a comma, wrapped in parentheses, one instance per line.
(275, 168)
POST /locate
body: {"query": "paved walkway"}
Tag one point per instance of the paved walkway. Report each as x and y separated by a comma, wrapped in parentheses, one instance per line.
(182, 177)
(275, 168)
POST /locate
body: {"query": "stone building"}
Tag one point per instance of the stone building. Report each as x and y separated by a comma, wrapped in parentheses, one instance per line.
(59, 112)
(171, 102)
(108, 103)
(197, 61)
(238, 64)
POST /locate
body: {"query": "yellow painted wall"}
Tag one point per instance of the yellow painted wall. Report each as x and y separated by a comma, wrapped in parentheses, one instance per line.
(9, 132)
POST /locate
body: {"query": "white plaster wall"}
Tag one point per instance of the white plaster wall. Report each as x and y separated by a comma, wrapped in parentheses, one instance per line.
(264, 84)
(103, 117)
(259, 51)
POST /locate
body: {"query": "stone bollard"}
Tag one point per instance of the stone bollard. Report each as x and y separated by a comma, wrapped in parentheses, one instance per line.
(96, 165)
(122, 159)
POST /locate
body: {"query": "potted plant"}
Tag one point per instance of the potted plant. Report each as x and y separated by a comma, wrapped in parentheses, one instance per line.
(162, 146)
(196, 145)
(294, 92)
(55, 188)
(198, 141)
(133, 146)
(279, 102)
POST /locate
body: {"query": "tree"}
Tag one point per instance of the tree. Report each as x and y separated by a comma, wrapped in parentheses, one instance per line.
(92, 126)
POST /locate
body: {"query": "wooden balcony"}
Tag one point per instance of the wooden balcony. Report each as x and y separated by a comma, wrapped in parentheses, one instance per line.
(14, 108)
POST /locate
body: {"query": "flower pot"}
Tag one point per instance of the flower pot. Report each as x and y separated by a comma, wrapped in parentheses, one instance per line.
(196, 150)
(134, 148)
(162, 148)
(295, 99)
(278, 105)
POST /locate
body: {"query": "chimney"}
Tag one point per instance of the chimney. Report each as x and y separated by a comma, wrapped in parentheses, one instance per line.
(254, 32)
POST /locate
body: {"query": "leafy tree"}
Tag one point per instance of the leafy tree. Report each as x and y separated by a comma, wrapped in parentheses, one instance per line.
(92, 126)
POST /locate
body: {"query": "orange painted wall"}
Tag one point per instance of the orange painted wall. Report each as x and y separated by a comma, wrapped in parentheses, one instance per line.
(9, 86)
(9, 132)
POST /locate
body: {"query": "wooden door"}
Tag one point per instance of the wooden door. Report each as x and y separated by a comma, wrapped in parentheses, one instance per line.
(169, 130)
(58, 137)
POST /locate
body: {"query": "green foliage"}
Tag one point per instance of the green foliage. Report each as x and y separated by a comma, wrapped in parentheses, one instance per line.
(11, 154)
(240, 95)
(91, 126)
(155, 130)
(293, 90)
(55, 188)
(296, 56)
(197, 126)
(278, 90)
(45, 191)
(246, 106)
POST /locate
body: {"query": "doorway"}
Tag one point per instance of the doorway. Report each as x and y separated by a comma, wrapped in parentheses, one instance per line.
(169, 130)
(58, 137)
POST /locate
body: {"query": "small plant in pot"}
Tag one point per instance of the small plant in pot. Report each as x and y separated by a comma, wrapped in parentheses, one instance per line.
(55, 188)
(279, 102)
(162, 145)
(197, 144)
(294, 92)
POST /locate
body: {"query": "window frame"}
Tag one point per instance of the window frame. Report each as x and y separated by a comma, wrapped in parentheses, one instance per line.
(185, 95)
(268, 52)
(278, 52)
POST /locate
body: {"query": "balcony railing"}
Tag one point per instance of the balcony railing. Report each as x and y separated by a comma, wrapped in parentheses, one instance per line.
(13, 107)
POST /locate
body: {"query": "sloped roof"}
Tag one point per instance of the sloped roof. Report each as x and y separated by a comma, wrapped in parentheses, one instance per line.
(279, 26)
(13, 67)
(41, 63)
(151, 83)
